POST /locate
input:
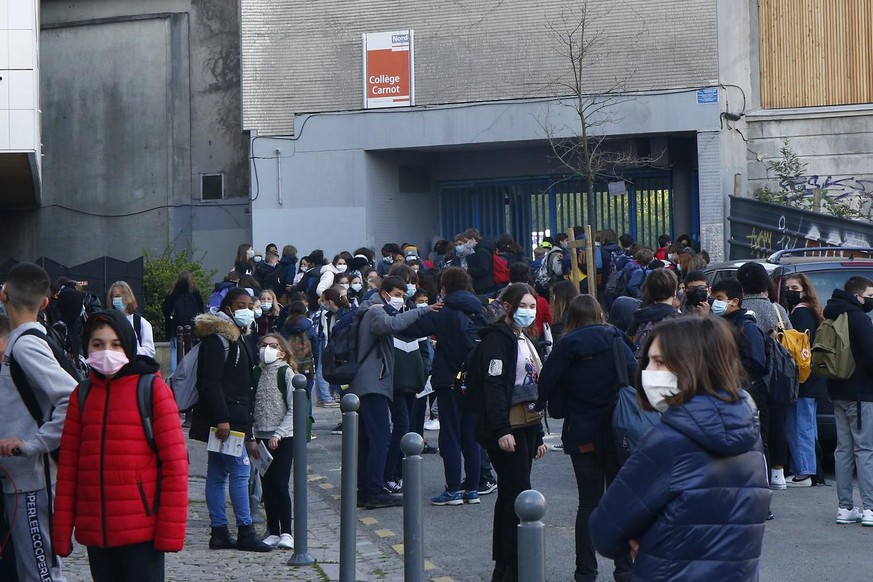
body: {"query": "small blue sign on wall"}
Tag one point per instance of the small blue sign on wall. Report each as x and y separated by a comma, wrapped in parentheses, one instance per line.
(708, 95)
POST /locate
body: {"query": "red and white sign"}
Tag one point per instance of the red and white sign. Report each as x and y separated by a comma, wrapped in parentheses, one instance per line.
(389, 79)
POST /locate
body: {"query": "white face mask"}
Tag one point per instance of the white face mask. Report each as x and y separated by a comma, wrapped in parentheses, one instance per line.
(344, 286)
(659, 384)
(341, 268)
(258, 312)
(269, 355)
(397, 303)
(356, 287)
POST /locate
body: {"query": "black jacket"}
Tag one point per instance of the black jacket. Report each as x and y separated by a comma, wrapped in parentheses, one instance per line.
(858, 388)
(180, 308)
(751, 343)
(455, 327)
(803, 319)
(581, 373)
(480, 266)
(225, 378)
(499, 356)
(655, 312)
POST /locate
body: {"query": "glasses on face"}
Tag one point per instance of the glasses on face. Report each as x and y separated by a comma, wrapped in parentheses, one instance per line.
(273, 345)
(696, 287)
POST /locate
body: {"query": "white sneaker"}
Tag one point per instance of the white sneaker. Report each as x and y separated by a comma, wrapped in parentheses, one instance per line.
(271, 540)
(846, 516)
(867, 518)
(432, 424)
(777, 479)
(286, 542)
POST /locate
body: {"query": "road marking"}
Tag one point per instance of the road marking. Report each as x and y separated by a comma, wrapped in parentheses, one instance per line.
(443, 579)
(337, 497)
(368, 520)
(398, 548)
(384, 533)
(325, 485)
(314, 477)
(428, 565)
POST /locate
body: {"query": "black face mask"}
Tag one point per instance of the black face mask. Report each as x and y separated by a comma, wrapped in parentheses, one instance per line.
(791, 296)
(867, 305)
(695, 296)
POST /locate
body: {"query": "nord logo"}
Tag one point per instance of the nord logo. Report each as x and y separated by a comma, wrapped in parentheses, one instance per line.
(399, 38)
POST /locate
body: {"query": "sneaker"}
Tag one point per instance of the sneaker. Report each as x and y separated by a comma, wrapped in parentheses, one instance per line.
(448, 498)
(338, 429)
(777, 479)
(799, 481)
(327, 404)
(429, 450)
(383, 500)
(867, 518)
(271, 540)
(394, 487)
(847, 516)
(472, 498)
(557, 447)
(487, 487)
(286, 542)
(432, 424)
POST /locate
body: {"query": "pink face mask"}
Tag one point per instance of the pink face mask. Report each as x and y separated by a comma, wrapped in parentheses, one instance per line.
(107, 362)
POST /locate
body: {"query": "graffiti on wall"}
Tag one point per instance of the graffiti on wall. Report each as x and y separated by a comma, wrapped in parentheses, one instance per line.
(839, 188)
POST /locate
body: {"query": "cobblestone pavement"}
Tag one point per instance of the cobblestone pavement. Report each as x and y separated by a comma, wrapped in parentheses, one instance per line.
(196, 562)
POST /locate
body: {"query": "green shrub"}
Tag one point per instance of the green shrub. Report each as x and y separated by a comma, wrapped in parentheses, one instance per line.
(159, 274)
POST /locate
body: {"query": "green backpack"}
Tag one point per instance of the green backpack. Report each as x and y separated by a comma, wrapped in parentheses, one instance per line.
(283, 388)
(832, 351)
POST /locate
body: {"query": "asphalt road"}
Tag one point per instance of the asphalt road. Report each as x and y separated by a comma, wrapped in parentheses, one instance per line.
(802, 543)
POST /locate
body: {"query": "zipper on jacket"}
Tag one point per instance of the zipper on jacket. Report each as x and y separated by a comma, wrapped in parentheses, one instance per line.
(142, 495)
(103, 467)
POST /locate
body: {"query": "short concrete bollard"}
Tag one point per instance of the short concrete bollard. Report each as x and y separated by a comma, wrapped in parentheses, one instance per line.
(301, 555)
(413, 519)
(349, 488)
(530, 507)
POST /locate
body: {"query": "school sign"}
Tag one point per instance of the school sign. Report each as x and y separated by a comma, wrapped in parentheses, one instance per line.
(389, 79)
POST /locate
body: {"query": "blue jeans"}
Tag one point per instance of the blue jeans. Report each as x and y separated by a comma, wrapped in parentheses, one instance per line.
(321, 386)
(458, 436)
(802, 430)
(218, 469)
(173, 350)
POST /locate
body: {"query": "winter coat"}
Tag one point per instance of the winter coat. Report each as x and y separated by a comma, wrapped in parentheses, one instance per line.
(581, 373)
(499, 353)
(325, 282)
(621, 313)
(112, 487)
(225, 384)
(858, 388)
(803, 319)
(376, 373)
(694, 493)
(606, 254)
(656, 313)
(180, 308)
(764, 312)
(751, 343)
(456, 328)
(480, 266)
(636, 274)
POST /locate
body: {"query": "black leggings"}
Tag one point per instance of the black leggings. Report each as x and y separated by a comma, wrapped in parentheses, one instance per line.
(131, 563)
(275, 482)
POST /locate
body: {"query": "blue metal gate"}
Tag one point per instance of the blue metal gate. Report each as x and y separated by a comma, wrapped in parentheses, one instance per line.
(532, 208)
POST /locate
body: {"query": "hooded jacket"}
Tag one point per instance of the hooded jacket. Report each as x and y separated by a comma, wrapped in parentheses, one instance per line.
(455, 327)
(377, 325)
(858, 388)
(751, 343)
(480, 266)
(581, 374)
(111, 486)
(694, 493)
(656, 312)
(225, 382)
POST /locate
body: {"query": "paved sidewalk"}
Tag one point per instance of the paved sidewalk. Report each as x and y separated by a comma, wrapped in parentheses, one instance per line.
(196, 562)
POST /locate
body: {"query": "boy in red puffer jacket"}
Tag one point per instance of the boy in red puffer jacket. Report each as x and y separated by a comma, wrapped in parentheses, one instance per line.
(127, 502)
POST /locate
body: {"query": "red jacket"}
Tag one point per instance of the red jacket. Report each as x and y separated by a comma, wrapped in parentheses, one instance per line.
(108, 475)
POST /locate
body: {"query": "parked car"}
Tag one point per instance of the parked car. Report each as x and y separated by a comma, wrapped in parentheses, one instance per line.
(828, 268)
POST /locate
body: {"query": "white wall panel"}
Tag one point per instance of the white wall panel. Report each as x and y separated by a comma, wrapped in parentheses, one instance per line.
(21, 49)
(22, 135)
(22, 90)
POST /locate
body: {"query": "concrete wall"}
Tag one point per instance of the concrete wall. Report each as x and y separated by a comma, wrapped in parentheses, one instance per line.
(139, 99)
(301, 57)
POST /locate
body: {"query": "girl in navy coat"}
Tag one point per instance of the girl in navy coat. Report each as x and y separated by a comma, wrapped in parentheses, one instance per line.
(692, 499)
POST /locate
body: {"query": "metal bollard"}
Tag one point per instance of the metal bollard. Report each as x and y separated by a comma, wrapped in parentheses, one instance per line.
(301, 555)
(349, 489)
(180, 344)
(530, 507)
(189, 343)
(413, 519)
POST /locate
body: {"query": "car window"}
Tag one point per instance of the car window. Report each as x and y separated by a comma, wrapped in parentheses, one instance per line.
(826, 281)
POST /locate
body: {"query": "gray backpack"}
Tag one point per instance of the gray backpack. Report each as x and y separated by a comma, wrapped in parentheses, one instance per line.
(184, 380)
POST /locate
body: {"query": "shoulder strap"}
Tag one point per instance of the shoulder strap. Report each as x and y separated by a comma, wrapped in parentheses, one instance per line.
(145, 390)
(84, 390)
(137, 327)
(283, 384)
(781, 325)
(620, 360)
(19, 378)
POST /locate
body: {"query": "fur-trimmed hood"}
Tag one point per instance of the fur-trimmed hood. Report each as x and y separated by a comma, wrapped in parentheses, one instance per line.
(216, 322)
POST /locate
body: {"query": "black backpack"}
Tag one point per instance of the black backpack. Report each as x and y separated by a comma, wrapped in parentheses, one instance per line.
(469, 384)
(340, 359)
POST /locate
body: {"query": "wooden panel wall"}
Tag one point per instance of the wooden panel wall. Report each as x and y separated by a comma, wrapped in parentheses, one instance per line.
(815, 52)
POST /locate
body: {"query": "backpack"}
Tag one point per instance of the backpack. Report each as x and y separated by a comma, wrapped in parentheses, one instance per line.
(145, 390)
(216, 298)
(137, 328)
(546, 275)
(832, 352)
(500, 268)
(624, 278)
(469, 384)
(340, 360)
(612, 279)
(25, 390)
(782, 381)
(185, 379)
(797, 344)
(301, 351)
(629, 422)
(639, 339)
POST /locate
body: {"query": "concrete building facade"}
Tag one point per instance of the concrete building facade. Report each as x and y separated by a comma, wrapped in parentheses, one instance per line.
(141, 131)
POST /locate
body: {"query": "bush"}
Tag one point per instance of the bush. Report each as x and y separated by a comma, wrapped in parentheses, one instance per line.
(159, 275)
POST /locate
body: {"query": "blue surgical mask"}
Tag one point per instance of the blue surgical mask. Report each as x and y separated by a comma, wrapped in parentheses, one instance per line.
(459, 249)
(719, 307)
(410, 290)
(243, 317)
(118, 303)
(524, 317)
(397, 303)
(422, 305)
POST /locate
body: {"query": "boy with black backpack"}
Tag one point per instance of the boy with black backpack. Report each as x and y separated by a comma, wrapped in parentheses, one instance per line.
(29, 433)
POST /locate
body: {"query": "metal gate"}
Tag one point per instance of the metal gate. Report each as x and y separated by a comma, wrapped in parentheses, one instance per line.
(532, 208)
